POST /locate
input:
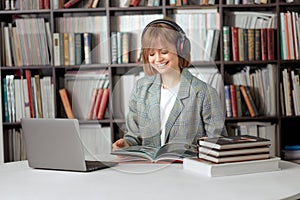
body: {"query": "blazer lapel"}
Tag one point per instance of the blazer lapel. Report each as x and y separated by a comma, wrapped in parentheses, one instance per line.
(183, 93)
(154, 101)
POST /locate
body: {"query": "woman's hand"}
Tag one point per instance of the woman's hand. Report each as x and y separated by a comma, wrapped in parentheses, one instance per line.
(120, 143)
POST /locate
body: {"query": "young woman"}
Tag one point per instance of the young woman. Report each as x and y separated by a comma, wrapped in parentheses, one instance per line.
(169, 104)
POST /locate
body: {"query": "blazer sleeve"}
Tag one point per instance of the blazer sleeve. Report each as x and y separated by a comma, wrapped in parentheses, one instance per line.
(131, 136)
(212, 113)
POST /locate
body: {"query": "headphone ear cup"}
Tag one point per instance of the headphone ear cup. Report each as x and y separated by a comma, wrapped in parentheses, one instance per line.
(183, 46)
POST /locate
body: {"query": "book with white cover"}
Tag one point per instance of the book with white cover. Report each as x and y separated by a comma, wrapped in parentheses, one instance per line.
(209, 169)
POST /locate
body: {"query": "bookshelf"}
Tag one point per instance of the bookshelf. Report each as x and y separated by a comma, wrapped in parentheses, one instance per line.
(105, 19)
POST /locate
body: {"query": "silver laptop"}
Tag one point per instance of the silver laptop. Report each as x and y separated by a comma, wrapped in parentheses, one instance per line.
(55, 144)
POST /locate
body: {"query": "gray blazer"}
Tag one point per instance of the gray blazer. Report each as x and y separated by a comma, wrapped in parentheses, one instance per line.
(197, 112)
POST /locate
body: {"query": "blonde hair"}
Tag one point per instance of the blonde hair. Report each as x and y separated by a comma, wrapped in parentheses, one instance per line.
(164, 32)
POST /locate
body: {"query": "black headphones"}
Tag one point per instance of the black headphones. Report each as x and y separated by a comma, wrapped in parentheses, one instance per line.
(183, 44)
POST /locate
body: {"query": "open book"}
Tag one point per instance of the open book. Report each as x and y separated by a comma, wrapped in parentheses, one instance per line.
(171, 152)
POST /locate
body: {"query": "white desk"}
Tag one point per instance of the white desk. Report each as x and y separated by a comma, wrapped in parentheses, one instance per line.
(144, 181)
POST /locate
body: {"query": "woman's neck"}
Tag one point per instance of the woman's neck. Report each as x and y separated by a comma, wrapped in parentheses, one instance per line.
(170, 80)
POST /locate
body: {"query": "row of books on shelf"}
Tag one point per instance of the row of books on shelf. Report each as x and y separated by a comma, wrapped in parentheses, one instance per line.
(72, 48)
(96, 140)
(290, 92)
(289, 35)
(232, 155)
(26, 41)
(28, 96)
(63, 4)
(242, 44)
(243, 2)
(85, 94)
(95, 29)
(14, 145)
(24, 5)
(76, 3)
(251, 89)
(266, 130)
(236, 97)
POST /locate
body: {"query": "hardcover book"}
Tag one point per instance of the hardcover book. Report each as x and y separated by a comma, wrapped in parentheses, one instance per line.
(236, 158)
(171, 152)
(233, 152)
(233, 142)
(210, 169)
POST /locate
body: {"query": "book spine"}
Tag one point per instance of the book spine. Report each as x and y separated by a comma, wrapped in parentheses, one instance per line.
(246, 45)
(247, 100)
(66, 49)
(38, 94)
(271, 43)
(215, 44)
(250, 44)
(56, 49)
(103, 104)
(226, 43)
(6, 117)
(92, 104)
(257, 45)
(61, 48)
(125, 47)
(242, 43)
(235, 43)
(238, 101)
(41, 4)
(95, 3)
(66, 103)
(70, 3)
(114, 49)
(28, 79)
(72, 48)
(134, 3)
(78, 48)
(47, 4)
(263, 36)
(228, 101)
(233, 100)
(97, 103)
(87, 39)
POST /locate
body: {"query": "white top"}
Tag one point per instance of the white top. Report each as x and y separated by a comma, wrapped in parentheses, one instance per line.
(144, 181)
(167, 100)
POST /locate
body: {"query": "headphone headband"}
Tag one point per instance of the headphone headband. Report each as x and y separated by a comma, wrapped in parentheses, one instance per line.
(164, 21)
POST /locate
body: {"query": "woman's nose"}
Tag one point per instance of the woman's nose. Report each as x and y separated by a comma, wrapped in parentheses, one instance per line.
(158, 56)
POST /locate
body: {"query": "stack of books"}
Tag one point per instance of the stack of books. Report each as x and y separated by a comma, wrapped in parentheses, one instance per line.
(224, 156)
(234, 148)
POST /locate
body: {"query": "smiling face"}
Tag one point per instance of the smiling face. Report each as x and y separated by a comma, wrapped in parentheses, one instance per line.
(159, 53)
(163, 58)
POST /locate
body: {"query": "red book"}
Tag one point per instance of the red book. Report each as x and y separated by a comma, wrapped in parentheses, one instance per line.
(46, 4)
(92, 104)
(97, 103)
(271, 43)
(28, 79)
(70, 3)
(264, 48)
(103, 104)
(233, 100)
(235, 43)
(134, 3)
(41, 4)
